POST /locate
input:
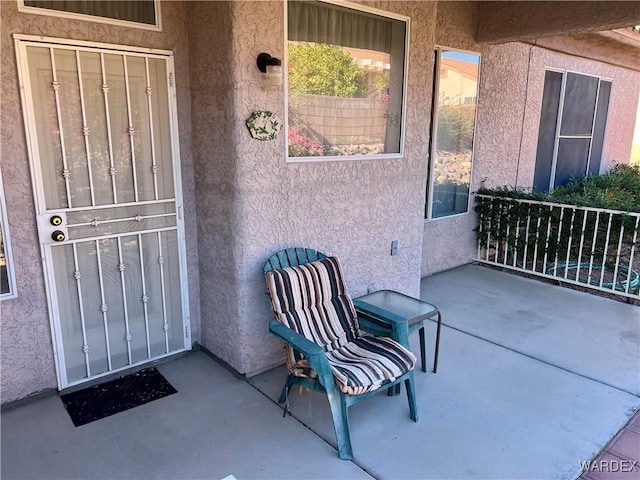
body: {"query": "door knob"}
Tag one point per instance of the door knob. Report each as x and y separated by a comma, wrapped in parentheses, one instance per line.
(58, 236)
(56, 220)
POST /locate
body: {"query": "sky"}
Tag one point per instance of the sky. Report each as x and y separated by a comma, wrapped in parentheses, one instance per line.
(465, 57)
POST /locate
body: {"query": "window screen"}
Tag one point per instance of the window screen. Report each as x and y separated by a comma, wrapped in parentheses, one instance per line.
(599, 127)
(570, 144)
(547, 131)
(579, 104)
(138, 11)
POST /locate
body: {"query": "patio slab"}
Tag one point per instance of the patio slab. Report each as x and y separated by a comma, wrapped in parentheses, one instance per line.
(588, 335)
(488, 413)
(532, 380)
(216, 425)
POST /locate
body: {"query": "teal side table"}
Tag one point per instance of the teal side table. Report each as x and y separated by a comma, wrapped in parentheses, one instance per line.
(375, 307)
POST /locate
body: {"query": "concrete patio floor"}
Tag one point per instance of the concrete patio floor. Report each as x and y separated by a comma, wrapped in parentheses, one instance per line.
(532, 380)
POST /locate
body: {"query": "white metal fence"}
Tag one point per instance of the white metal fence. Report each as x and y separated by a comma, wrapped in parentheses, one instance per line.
(592, 247)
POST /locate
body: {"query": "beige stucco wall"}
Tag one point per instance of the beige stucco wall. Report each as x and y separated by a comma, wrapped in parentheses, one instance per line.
(26, 345)
(216, 176)
(622, 107)
(449, 242)
(506, 20)
(353, 209)
(244, 202)
(508, 117)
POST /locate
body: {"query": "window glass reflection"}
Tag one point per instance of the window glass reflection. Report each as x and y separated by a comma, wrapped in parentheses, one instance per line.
(4, 275)
(454, 124)
(345, 80)
(7, 279)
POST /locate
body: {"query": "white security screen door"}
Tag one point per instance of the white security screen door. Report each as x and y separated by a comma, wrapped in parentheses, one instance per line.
(102, 139)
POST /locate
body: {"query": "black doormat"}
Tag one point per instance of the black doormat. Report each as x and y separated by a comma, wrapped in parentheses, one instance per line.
(100, 401)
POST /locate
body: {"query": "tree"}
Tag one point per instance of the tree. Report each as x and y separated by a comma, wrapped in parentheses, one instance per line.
(322, 69)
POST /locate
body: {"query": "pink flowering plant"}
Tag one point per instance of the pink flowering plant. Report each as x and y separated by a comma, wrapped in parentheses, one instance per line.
(302, 146)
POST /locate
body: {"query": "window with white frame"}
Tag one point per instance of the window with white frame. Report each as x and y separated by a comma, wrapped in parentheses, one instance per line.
(133, 13)
(7, 276)
(573, 120)
(453, 117)
(345, 81)
(635, 146)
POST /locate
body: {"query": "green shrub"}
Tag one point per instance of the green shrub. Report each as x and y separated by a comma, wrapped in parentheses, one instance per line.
(322, 69)
(619, 189)
(455, 127)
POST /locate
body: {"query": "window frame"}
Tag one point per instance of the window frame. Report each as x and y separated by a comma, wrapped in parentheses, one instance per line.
(157, 27)
(333, 158)
(6, 240)
(558, 128)
(434, 132)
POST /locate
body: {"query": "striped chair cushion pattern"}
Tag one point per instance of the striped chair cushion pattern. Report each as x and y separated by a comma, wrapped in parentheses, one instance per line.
(312, 299)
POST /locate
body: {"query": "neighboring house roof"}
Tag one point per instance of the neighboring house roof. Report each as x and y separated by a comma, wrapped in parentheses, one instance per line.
(465, 69)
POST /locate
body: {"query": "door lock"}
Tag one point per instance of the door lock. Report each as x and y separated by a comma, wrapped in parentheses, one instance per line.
(58, 236)
(56, 220)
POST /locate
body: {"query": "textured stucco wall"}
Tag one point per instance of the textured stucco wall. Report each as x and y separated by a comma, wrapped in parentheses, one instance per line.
(622, 108)
(615, 47)
(508, 116)
(505, 21)
(212, 96)
(250, 203)
(26, 348)
(353, 209)
(449, 242)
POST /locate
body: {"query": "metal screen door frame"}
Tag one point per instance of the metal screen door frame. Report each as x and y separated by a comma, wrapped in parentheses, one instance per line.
(28, 101)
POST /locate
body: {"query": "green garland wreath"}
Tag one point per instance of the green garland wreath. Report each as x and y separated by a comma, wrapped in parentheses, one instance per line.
(264, 125)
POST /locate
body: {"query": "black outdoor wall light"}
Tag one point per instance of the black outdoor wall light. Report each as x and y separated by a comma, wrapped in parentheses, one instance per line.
(272, 69)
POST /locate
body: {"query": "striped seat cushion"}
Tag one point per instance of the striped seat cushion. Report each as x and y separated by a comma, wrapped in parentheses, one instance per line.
(369, 363)
(312, 299)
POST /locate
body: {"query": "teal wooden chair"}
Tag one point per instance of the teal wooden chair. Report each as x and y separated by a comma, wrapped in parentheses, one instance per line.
(326, 349)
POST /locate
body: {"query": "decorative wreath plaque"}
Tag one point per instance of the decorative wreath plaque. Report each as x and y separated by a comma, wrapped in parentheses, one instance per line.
(264, 125)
